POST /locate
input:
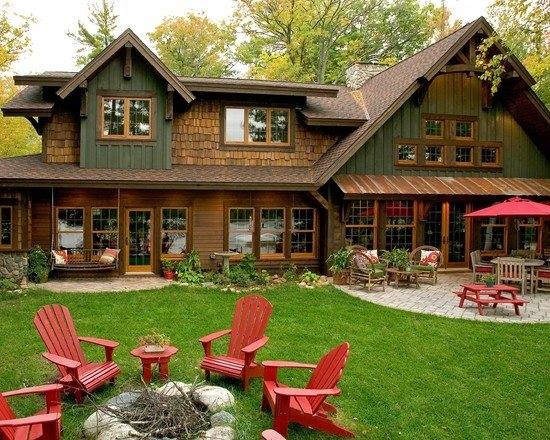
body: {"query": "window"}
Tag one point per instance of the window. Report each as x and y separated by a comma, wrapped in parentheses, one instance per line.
(433, 154)
(493, 235)
(489, 156)
(5, 226)
(174, 231)
(70, 228)
(126, 118)
(241, 228)
(104, 228)
(406, 153)
(360, 223)
(433, 128)
(464, 130)
(463, 155)
(303, 231)
(272, 232)
(257, 126)
(399, 224)
(528, 233)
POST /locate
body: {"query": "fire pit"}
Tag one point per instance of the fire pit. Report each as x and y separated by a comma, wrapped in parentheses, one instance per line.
(174, 411)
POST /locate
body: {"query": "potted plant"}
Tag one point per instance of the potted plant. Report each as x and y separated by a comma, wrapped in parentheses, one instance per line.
(339, 262)
(489, 279)
(398, 258)
(154, 342)
(168, 268)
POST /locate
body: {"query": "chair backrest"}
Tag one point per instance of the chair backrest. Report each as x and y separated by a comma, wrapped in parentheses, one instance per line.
(416, 253)
(510, 269)
(249, 323)
(56, 328)
(6, 413)
(328, 372)
(475, 257)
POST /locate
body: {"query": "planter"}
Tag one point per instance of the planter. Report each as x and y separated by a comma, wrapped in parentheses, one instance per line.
(168, 274)
(340, 278)
(153, 349)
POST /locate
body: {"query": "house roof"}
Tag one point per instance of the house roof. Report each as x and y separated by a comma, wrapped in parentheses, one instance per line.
(358, 185)
(32, 171)
(127, 37)
(29, 102)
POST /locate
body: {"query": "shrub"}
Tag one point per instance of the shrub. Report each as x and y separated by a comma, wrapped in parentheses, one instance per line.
(339, 260)
(38, 267)
(398, 258)
(168, 264)
(309, 277)
(290, 273)
(189, 269)
(245, 274)
(7, 285)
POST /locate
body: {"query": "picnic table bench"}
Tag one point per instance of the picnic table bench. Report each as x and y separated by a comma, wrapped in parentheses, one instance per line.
(483, 295)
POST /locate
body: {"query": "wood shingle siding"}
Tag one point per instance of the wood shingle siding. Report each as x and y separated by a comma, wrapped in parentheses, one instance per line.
(61, 138)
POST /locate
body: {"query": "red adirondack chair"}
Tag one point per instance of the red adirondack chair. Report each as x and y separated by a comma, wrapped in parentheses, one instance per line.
(246, 338)
(77, 375)
(306, 406)
(271, 434)
(45, 425)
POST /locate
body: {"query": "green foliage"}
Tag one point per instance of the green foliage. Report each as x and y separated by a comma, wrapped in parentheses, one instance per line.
(398, 258)
(245, 274)
(38, 268)
(193, 45)
(339, 260)
(14, 36)
(168, 264)
(309, 277)
(489, 279)
(189, 269)
(290, 272)
(7, 285)
(154, 338)
(92, 40)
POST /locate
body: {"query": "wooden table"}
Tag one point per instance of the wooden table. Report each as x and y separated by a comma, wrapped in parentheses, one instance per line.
(148, 359)
(530, 264)
(407, 276)
(484, 296)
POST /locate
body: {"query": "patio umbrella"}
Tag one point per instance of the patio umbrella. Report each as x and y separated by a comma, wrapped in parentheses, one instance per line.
(514, 207)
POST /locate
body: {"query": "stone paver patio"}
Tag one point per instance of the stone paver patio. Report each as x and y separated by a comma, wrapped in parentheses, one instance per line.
(114, 284)
(440, 300)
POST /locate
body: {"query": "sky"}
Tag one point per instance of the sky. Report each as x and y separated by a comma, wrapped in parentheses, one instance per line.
(52, 50)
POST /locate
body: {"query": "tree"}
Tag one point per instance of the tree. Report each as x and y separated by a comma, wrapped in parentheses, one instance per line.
(314, 40)
(524, 28)
(442, 22)
(193, 45)
(103, 20)
(14, 39)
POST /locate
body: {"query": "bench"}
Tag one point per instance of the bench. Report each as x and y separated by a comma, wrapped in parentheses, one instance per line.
(83, 260)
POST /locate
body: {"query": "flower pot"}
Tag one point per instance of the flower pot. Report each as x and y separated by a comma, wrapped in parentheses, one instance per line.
(168, 274)
(340, 278)
(153, 349)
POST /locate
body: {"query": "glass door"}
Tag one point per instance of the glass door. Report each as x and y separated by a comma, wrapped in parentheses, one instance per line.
(138, 240)
(456, 234)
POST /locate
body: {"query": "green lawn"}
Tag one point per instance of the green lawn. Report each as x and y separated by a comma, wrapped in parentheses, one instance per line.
(409, 376)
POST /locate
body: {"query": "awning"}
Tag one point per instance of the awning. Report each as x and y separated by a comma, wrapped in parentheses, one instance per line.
(360, 184)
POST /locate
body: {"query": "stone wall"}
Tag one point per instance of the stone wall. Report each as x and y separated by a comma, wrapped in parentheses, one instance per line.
(60, 138)
(196, 140)
(13, 265)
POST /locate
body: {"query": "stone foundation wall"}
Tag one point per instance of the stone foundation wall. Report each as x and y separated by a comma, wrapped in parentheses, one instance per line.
(13, 265)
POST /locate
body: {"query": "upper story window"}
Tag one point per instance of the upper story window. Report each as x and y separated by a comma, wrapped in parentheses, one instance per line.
(126, 118)
(257, 126)
(433, 128)
(406, 153)
(463, 129)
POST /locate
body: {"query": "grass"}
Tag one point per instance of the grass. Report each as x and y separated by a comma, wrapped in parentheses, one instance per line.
(409, 375)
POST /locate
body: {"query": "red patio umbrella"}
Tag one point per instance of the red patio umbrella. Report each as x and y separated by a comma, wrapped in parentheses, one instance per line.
(514, 207)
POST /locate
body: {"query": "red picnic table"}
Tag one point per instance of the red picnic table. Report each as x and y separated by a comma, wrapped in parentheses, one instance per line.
(484, 296)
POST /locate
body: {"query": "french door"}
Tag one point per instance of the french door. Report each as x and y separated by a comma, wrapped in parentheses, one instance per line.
(139, 228)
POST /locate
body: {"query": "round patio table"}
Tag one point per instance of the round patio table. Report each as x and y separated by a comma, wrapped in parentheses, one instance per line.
(147, 359)
(530, 264)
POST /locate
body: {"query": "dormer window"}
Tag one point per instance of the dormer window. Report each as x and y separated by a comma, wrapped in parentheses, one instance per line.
(126, 118)
(257, 126)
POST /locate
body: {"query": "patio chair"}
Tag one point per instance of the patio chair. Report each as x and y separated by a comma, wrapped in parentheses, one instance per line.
(479, 268)
(511, 270)
(271, 434)
(367, 268)
(542, 280)
(426, 260)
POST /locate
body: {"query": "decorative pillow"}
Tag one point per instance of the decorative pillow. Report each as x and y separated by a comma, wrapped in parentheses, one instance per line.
(109, 256)
(361, 261)
(372, 256)
(60, 257)
(429, 258)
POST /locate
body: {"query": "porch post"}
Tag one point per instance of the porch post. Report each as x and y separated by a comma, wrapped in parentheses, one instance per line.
(52, 218)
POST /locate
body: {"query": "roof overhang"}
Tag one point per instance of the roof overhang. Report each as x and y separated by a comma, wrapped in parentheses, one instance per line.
(43, 80)
(331, 122)
(361, 185)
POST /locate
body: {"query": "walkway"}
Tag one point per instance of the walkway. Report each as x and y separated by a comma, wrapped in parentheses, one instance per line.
(115, 284)
(440, 300)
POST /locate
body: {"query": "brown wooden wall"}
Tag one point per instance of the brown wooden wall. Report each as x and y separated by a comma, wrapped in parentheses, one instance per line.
(207, 216)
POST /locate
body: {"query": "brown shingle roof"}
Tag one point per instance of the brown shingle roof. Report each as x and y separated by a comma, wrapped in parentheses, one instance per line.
(31, 171)
(28, 102)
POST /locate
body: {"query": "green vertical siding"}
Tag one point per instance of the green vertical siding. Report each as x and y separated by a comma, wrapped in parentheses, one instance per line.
(153, 154)
(454, 94)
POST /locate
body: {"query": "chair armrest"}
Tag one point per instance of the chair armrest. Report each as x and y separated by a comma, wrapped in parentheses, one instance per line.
(32, 420)
(97, 341)
(41, 389)
(271, 434)
(213, 336)
(60, 360)
(287, 364)
(256, 345)
(305, 392)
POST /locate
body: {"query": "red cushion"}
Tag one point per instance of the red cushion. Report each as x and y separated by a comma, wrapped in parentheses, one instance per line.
(543, 273)
(484, 269)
